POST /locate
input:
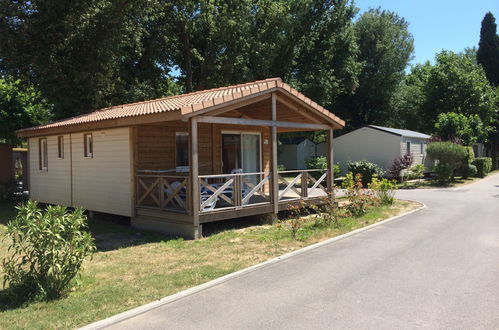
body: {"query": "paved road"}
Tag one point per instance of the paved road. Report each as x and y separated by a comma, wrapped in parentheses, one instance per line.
(434, 269)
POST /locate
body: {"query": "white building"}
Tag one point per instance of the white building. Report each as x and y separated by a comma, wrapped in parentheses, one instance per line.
(379, 145)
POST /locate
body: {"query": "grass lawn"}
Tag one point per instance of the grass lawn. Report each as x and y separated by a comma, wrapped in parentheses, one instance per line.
(132, 267)
(428, 183)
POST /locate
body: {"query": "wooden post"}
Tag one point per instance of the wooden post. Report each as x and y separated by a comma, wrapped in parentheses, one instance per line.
(275, 175)
(194, 174)
(304, 184)
(330, 163)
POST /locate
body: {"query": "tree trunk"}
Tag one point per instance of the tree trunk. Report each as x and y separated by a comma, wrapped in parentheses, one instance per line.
(186, 54)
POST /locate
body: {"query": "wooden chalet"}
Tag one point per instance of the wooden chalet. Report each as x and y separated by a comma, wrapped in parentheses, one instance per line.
(175, 163)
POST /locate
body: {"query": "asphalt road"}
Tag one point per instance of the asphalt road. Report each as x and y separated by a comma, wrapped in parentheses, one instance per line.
(434, 269)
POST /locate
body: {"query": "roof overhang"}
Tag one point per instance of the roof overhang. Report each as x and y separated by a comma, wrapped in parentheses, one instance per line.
(239, 97)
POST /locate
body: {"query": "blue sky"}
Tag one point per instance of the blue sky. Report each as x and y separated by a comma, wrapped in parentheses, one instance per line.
(439, 24)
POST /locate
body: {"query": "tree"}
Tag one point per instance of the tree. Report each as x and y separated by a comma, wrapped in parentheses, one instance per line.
(457, 84)
(85, 55)
(386, 46)
(458, 128)
(91, 54)
(488, 57)
(409, 98)
(309, 43)
(20, 107)
(488, 49)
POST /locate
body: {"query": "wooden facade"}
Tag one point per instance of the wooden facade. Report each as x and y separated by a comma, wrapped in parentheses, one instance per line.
(266, 192)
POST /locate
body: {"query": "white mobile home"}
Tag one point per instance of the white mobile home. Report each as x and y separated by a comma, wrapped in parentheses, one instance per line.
(380, 145)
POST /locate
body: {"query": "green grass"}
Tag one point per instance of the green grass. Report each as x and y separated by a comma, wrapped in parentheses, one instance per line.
(428, 183)
(134, 268)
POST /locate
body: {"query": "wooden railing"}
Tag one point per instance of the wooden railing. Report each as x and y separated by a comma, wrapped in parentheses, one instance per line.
(234, 191)
(164, 192)
(227, 191)
(302, 184)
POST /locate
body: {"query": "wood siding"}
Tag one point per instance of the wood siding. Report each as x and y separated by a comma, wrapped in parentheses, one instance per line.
(52, 186)
(155, 145)
(103, 182)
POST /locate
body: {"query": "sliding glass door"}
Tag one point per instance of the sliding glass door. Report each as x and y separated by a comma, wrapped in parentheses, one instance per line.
(241, 151)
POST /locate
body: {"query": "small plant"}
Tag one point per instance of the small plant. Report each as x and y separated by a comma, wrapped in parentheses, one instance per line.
(296, 221)
(483, 165)
(327, 213)
(281, 167)
(365, 169)
(359, 198)
(415, 172)
(320, 163)
(48, 248)
(384, 190)
(400, 164)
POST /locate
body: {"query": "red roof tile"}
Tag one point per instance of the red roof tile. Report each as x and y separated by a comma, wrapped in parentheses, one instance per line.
(187, 103)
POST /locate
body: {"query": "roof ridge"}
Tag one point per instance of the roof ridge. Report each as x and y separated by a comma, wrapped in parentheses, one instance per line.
(188, 94)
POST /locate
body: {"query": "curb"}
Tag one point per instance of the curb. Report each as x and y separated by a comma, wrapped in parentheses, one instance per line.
(179, 295)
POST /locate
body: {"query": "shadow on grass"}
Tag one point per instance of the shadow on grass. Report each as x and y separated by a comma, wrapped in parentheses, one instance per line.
(217, 227)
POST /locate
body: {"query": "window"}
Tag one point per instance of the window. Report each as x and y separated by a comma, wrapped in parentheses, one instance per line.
(182, 149)
(60, 147)
(89, 145)
(408, 148)
(422, 148)
(42, 153)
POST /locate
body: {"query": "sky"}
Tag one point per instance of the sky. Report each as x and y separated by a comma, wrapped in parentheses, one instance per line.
(438, 24)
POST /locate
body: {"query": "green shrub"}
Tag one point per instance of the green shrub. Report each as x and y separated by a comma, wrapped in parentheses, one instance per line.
(281, 167)
(483, 165)
(384, 190)
(468, 170)
(415, 172)
(320, 163)
(359, 199)
(366, 169)
(448, 153)
(48, 248)
(444, 173)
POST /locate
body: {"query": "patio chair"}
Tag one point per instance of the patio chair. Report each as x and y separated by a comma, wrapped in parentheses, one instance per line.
(204, 195)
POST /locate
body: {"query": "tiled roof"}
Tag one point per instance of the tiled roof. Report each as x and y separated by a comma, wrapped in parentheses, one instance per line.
(401, 132)
(187, 103)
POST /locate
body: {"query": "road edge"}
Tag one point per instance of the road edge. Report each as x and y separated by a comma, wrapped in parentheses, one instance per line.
(185, 293)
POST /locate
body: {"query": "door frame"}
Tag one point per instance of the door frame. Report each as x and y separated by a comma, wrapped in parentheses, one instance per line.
(240, 132)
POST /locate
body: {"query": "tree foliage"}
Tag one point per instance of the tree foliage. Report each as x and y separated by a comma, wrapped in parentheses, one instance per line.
(459, 128)
(20, 107)
(385, 47)
(455, 84)
(488, 49)
(91, 54)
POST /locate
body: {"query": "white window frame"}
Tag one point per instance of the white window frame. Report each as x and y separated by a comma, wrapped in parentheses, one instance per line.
(408, 147)
(88, 144)
(43, 154)
(60, 147)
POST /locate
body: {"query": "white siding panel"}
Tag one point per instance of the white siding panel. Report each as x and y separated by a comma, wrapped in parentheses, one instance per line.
(369, 144)
(54, 185)
(417, 156)
(103, 183)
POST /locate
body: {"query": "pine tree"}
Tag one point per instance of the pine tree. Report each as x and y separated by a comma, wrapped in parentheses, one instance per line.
(488, 49)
